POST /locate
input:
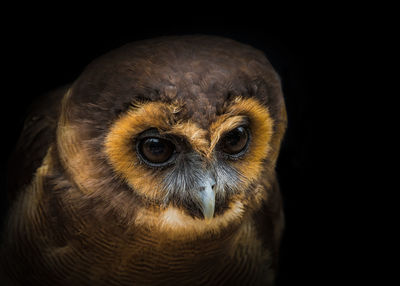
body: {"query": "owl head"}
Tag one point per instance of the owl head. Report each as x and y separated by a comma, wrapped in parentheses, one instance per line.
(176, 134)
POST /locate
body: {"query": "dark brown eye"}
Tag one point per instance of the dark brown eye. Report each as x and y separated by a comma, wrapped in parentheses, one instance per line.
(235, 141)
(156, 150)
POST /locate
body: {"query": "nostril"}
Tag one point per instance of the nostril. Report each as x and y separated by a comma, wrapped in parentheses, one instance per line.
(208, 182)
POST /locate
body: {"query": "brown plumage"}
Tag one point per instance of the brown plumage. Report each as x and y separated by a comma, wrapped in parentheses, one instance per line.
(155, 167)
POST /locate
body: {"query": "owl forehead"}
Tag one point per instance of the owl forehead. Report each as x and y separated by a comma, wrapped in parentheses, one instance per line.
(202, 87)
(198, 107)
(203, 72)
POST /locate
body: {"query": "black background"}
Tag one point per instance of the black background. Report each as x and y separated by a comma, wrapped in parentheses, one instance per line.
(42, 55)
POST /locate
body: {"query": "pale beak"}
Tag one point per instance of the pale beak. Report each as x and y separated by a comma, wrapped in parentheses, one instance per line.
(206, 198)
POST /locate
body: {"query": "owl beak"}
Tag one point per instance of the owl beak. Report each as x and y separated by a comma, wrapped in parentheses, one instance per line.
(206, 198)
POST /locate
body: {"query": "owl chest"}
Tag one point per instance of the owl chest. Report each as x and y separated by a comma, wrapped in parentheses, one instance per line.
(147, 260)
(103, 258)
(74, 255)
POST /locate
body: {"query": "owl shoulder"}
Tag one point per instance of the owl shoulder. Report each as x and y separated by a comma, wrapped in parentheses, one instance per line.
(39, 131)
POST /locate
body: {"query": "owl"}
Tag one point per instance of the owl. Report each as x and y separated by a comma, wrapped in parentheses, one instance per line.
(155, 167)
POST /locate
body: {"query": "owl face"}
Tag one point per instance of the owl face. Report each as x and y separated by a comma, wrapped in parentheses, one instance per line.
(186, 130)
(172, 160)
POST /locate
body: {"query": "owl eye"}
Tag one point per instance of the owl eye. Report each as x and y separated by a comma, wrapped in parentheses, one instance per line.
(156, 151)
(235, 142)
